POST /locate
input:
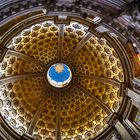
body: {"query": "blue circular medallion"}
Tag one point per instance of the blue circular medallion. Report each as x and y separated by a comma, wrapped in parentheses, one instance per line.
(59, 75)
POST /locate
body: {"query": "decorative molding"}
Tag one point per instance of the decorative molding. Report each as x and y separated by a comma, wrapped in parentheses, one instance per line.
(6, 131)
(26, 137)
(5, 135)
(21, 25)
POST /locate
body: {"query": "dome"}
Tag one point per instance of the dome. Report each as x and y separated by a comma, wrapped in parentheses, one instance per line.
(84, 105)
(61, 78)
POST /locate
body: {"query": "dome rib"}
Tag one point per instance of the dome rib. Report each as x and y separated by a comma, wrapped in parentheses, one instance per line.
(79, 46)
(25, 57)
(98, 101)
(37, 114)
(60, 40)
(58, 118)
(99, 78)
(15, 78)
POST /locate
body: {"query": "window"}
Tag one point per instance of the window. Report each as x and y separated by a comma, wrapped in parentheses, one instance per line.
(134, 117)
(137, 119)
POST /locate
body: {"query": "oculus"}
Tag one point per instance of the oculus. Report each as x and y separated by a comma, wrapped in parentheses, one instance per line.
(59, 75)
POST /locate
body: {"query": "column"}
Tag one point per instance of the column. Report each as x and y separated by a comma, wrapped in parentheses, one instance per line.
(134, 96)
(136, 84)
(114, 121)
(123, 132)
